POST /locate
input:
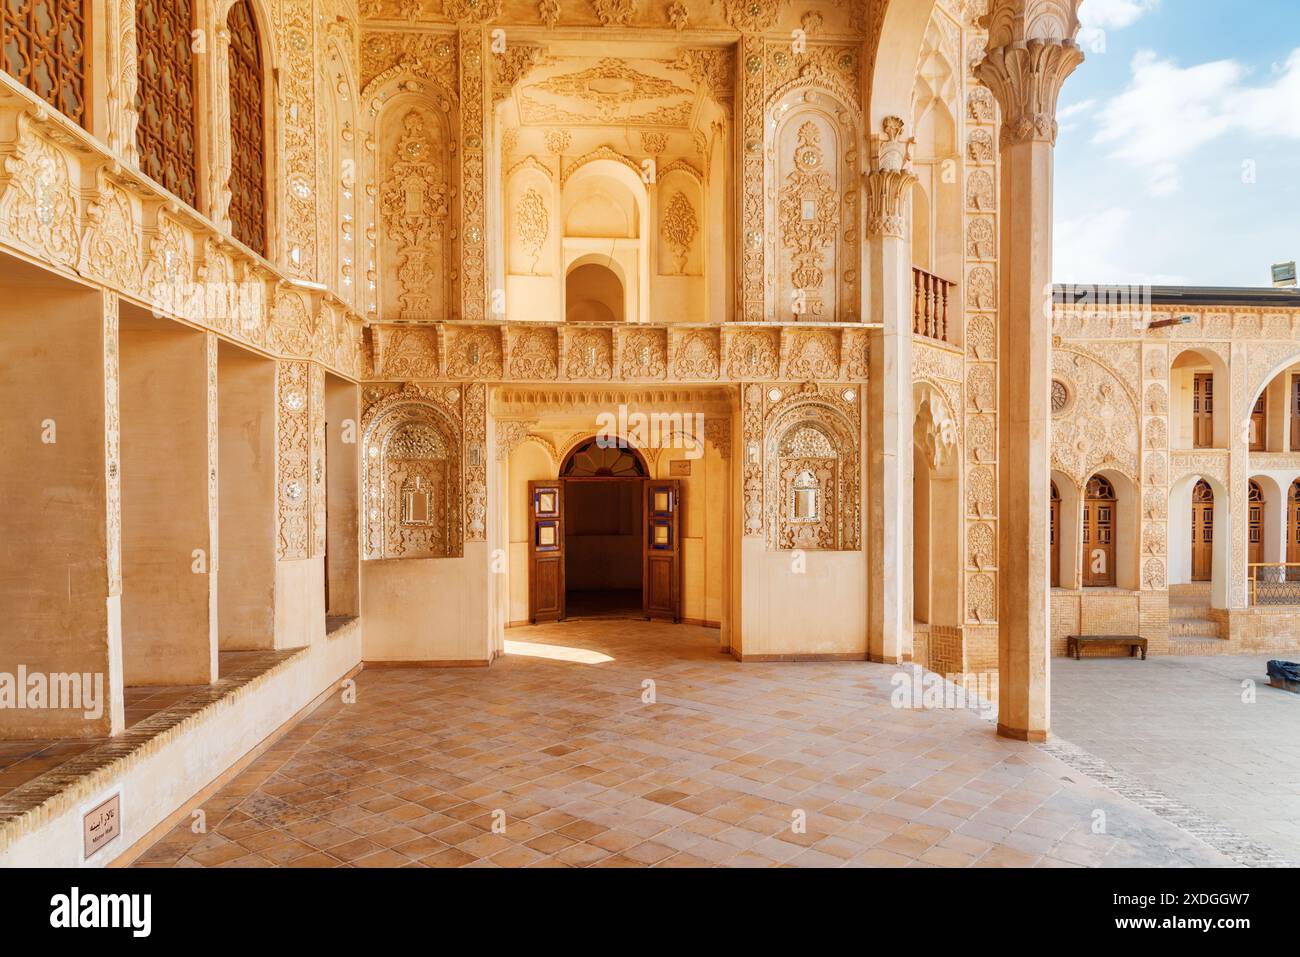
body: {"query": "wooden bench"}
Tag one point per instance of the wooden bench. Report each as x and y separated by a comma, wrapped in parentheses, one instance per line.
(1074, 644)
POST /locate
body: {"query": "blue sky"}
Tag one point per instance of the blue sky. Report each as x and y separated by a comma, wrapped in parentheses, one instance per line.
(1178, 159)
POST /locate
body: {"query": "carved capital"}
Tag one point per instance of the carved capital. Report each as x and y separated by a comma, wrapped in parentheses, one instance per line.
(888, 194)
(1031, 51)
(889, 183)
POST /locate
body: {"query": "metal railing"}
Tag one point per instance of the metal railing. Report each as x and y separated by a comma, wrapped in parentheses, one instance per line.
(1274, 583)
(930, 304)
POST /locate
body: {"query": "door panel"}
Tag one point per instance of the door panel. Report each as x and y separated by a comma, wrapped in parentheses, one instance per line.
(546, 551)
(661, 592)
(1293, 532)
(1203, 540)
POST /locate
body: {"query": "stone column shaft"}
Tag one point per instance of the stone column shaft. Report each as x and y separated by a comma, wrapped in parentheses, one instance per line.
(1025, 76)
(888, 197)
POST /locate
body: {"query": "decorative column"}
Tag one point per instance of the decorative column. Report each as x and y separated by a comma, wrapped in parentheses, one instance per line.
(750, 95)
(474, 87)
(123, 78)
(1031, 51)
(888, 209)
(220, 159)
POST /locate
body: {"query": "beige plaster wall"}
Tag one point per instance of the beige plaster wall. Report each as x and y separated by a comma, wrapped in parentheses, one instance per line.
(246, 505)
(58, 616)
(428, 609)
(820, 612)
(343, 543)
(167, 631)
(299, 601)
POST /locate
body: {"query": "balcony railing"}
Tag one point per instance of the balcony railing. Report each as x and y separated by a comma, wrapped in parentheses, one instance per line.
(930, 304)
(1276, 583)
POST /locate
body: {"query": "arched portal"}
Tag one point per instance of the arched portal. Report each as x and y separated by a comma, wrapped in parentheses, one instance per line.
(604, 490)
(1202, 532)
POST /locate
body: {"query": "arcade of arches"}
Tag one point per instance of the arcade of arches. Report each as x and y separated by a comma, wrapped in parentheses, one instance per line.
(364, 334)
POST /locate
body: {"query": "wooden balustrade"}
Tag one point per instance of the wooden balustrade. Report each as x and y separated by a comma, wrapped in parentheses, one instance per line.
(930, 304)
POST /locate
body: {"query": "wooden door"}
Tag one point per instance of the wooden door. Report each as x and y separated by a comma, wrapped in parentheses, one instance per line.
(1293, 532)
(1259, 424)
(546, 551)
(1295, 414)
(1098, 534)
(1202, 532)
(1255, 526)
(661, 590)
(1056, 537)
(1203, 410)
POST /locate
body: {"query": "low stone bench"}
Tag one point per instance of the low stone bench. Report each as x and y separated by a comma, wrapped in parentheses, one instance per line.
(1074, 644)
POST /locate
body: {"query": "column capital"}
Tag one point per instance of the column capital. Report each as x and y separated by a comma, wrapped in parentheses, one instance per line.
(1031, 51)
(889, 181)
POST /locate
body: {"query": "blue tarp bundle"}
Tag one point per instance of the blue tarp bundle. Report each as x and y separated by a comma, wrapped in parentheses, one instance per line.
(1284, 671)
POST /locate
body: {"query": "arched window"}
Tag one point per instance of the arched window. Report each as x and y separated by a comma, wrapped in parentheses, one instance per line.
(247, 130)
(165, 95)
(1098, 534)
(603, 458)
(44, 48)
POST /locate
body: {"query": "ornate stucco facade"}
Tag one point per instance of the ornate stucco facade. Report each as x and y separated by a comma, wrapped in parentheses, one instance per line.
(822, 229)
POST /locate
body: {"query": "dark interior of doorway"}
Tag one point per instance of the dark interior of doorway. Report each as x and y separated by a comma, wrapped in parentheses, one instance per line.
(603, 568)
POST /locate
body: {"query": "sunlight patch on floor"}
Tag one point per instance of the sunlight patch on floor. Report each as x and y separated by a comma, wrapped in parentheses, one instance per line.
(581, 656)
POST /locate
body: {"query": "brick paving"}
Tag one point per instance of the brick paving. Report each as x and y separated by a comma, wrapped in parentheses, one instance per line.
(1182, 727)
(556, 742)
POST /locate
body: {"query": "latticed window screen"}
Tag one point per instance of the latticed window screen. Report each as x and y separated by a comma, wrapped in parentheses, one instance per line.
(247, 134)
(45, 48)
(165, 98)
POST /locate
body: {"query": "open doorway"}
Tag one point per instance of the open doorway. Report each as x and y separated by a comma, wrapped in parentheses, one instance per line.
(605, 539)
(604, 490)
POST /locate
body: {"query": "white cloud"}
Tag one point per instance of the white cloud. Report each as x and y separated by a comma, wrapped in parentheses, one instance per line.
(1098, 16)
(1168, 112)
(1088, 249)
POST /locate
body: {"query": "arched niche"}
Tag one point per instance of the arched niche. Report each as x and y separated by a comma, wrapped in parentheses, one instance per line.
(411, 482)
(595, 291)
(413, 205)
(680, 202)
(532, 239)
(812, 482)
(532, 242)
(1180, 535)
(605, 213)
(812, 231)
(1200, 415)
(937, 513)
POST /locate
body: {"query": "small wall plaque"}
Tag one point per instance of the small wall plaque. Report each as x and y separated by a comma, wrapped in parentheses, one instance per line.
(102, 825)
(679, 468)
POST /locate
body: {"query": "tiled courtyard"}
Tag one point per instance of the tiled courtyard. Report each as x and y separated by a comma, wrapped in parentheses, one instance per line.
(1187, 728)
(556, 743)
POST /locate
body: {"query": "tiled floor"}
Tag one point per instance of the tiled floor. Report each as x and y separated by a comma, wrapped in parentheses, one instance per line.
(555, 743)
(1187, 727)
